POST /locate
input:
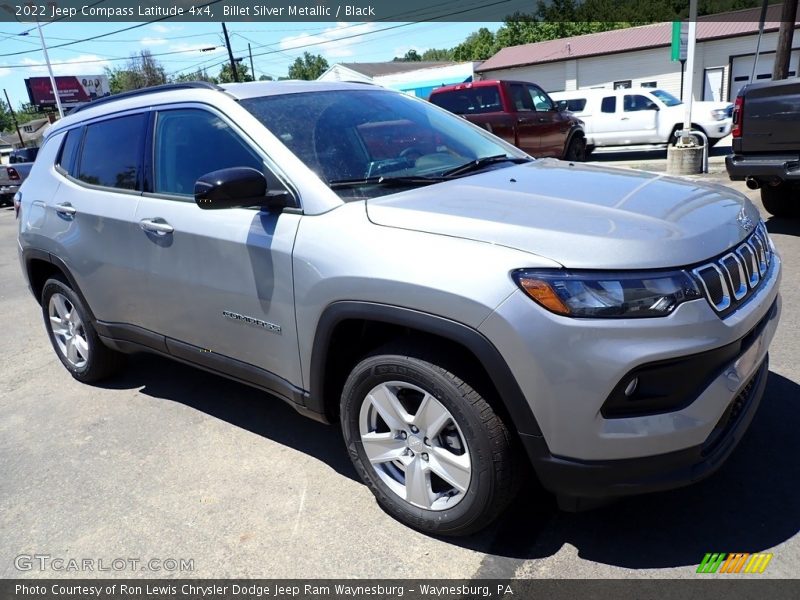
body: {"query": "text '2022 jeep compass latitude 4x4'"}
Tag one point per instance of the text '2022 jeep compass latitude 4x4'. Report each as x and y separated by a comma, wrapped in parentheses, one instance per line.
(373, 259)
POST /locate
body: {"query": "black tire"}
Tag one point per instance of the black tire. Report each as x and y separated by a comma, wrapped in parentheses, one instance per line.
(101, 362)
(673, 139)
(781, 200)
(494, 465)
(576, 150)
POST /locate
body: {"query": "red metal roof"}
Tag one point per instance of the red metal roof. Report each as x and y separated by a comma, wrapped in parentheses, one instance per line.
(632, 38)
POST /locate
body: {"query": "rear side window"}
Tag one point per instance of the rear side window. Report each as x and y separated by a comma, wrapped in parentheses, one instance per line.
(470, 101)
(190, 143)
(67, 157)
(609, 104)
(111, 155)
(576, 104)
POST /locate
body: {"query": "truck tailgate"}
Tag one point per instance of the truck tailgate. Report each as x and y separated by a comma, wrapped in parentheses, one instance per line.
(770, 122)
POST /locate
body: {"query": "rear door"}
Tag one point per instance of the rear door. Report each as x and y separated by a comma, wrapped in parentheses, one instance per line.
(482, 105)
(215, 282)
(606, 120)
(91, 215)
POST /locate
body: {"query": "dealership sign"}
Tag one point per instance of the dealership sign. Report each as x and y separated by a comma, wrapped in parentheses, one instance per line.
(72, 90)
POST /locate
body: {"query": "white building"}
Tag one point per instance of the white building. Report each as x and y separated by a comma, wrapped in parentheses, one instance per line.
(414, 78)
(641, 57)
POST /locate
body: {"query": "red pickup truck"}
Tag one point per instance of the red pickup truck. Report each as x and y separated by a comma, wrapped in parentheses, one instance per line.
(520, 112)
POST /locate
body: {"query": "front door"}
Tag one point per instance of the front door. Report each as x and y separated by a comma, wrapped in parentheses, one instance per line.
(551, 124)
(639, 120)
(219, 280)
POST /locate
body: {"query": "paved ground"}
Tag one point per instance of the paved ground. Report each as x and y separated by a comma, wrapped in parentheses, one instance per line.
(170, 462)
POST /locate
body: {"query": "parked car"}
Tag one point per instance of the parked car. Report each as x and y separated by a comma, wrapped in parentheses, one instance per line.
(458, 308)
(766, 144)
(519, 112)
(629, 117)
(11, 179)
(23, 155)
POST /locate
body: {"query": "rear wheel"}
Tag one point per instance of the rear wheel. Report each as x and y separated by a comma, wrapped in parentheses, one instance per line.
(430, 448)
(781, 200)
(73, 336)
(673, 138)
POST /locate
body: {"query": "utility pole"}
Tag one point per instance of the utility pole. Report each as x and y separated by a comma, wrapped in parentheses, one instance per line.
(50, 70)
(14, 118)
(252, 68)
(784, 50)
(230, 54)
(687, 115)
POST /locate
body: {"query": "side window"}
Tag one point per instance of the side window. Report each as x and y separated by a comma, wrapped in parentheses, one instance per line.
(521, 98)
(69, 149)
(541, 101)
(609, 104)
(576, 104)
(112, 152)
(635, 102)
(190, 143)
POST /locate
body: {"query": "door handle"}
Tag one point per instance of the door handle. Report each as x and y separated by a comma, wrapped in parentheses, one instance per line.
(66, 209)
(625, 119)
(542, 120)
(156, 225)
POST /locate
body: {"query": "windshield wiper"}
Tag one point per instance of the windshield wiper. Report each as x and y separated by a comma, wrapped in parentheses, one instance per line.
(385, 181)
(484, 161)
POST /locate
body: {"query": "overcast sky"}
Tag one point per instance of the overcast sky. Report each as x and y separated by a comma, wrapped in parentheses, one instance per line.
(275, 45)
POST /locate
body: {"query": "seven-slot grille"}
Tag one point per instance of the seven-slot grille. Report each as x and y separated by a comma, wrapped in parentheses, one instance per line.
(732, 278)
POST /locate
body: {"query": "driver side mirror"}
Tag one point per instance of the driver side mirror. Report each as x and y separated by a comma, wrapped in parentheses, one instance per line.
(237, 187)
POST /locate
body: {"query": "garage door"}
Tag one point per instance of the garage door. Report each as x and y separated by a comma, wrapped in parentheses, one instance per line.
(742, 68)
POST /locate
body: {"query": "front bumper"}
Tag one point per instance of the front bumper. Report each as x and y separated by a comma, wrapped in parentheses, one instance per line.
(577, 479)
(763, 167)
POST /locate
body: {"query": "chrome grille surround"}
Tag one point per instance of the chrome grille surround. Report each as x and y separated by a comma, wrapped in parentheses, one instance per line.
(730, 279)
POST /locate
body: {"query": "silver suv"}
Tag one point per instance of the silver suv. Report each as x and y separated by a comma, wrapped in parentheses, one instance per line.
(464, 311)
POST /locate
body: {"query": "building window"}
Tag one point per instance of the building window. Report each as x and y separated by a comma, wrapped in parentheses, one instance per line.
(623, 85)
(649, 84)
(27, 128)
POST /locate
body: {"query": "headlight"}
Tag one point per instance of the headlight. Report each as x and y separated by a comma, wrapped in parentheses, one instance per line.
(719, 114)
(610, 295)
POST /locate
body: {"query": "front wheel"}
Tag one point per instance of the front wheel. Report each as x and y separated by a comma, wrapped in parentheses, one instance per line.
(430, 448)
(576, 151)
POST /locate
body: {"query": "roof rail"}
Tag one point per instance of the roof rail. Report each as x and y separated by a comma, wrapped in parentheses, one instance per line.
(148, 90)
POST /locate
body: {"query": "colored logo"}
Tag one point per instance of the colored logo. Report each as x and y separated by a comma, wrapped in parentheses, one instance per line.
(737, 562)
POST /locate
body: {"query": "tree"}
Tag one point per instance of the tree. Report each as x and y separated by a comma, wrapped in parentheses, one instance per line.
(438, 54)
(410, 56)
(265, 78)
(199, 75)
(6, 122)
(141, 70)
(226, 73)
(479, 45)
(309, 67)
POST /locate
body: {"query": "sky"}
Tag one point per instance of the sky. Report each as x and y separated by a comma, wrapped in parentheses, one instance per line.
(275, 45)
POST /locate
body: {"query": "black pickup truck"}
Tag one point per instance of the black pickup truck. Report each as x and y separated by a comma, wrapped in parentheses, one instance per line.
(766, 144)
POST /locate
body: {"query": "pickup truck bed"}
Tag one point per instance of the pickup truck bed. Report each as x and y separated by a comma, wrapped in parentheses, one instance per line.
(11, 177)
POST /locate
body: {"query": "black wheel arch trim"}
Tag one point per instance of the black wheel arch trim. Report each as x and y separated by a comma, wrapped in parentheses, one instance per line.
(29, 255)
(498, 370)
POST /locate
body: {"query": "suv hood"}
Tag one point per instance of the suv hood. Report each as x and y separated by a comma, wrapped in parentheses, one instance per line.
(582, 216)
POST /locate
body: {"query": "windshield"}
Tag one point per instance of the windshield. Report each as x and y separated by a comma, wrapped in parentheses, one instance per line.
(373, 135)
(666, 97)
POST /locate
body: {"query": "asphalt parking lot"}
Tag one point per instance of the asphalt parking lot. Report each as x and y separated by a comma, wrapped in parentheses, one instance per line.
(168, 462)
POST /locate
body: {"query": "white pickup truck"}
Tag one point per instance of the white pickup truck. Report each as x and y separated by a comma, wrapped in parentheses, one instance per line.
(632, 117)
